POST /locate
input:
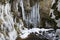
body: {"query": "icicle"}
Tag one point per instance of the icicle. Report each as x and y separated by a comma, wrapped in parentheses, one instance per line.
(23, 13)
(35, 16)
(8, 18)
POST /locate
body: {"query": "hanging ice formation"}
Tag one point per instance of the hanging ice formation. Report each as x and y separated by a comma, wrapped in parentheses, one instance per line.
(34, 16)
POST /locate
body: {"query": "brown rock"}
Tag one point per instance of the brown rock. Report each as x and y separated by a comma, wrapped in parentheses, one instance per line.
(45, 6)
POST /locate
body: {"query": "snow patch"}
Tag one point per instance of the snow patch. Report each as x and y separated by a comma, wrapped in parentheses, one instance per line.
(53, 1)
(26, 32)
(58, 22)
(13, 35)
(2, 36)
(58, 5)
(51, 12)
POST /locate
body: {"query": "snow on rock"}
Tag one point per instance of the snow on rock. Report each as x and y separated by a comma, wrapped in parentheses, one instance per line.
(2, 36)
(58, 33)
(26, 32)
(13, 35)
(51, 13)
(58, 5)
(53, 1)
(58, 22)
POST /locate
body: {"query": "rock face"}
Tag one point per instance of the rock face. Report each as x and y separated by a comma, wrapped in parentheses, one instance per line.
(16, 16)
(45, 6)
